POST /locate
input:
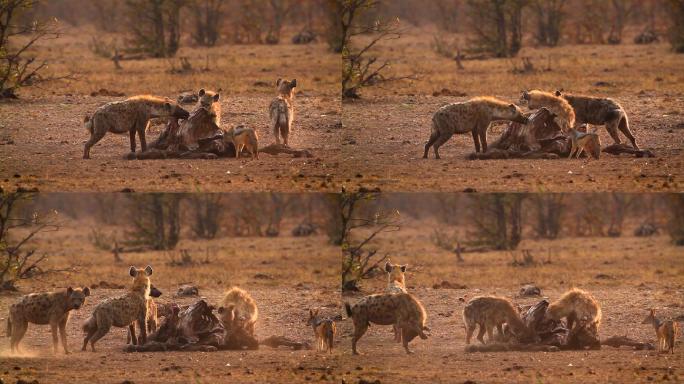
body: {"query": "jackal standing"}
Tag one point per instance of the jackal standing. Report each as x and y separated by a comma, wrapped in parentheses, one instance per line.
(666, 331)
(324, 331)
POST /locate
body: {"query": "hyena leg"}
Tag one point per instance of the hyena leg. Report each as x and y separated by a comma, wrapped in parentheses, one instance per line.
(571, 320)
(103, 327)
(141, 135)
(490, 333)
(62, 334)
(623, 125)
(469, 333)
(480, 334)
(476, 140)
(54, 328)
(612, 128)
(131, 133)
(276, 130)
(359, 329)
(433, 137)
(18, 330)
(131, 334)
(95, 136)
(285, 132)
(482, 131)
(440, 141)
(143, 329)
(573, 147)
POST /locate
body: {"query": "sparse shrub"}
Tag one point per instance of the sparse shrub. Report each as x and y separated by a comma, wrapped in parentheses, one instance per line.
(676, 29)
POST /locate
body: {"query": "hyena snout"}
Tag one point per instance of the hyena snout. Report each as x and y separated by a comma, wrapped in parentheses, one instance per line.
(180, 113)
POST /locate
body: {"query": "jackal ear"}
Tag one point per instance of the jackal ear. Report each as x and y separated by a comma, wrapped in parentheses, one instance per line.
(279, 81)
(86, 291)
(217, 96)
(201, 92)
(293, 83)
(403, 267)
(148, 270)
(132, 271)
(388, 267)
(70, 291)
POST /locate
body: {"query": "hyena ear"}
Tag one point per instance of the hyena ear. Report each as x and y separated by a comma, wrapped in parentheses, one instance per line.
(559, 92)
(148, 270)
(201, 92)
(293, 83)
(217, 96)
(221, 310)
(388, 267)
(279, 81)
(70, 291)
(86, 291)
(133, 272)
(403, 267)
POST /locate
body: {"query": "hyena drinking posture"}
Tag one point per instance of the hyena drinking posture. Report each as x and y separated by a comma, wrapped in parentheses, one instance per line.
(131, 115)
(666, 331)
(239, 307)
(489, 312)
(121, 311)
(402, 309)
(324, 331)
(565, 114)
(44, 308)
(243, 137)
(601, 111)
(577, 306)
(281, 110)
(395, 284)
(474, 116)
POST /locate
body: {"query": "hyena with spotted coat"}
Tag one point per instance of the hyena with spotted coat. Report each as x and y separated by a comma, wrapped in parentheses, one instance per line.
(131, 115)
(489, 312)
(565, 114)
(601, 111)
(121, 311)
(579, 308)
(44, 308)
(395, 284)
(281, 109)
(474, 116)
(238, 307)
(402, 309)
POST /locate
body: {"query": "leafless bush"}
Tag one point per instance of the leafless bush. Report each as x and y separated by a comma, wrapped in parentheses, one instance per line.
(185, 259)
(100, 240)
(155, 220)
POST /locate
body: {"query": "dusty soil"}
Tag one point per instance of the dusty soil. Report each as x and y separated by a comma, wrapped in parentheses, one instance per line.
(42, 147)
(440, 358)
(386, 136)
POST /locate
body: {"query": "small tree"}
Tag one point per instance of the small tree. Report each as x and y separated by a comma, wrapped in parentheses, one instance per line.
(497, 219)
(207, 209)
(676, 29)
(156, 220)
(497, 25)
(548, 209)
(549, 17)
(155, 26)
(17, 260)
(676, 223)
(17, 68)
(207, 17)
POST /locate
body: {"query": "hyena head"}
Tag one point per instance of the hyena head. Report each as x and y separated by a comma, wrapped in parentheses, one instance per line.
(313, 315)
(141, 279)
(395, 272)
(171, 109)
(285, 87)
(76, 297)
(207, 98)
(512, 112)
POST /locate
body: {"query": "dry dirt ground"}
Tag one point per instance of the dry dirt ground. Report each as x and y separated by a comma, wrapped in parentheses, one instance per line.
(285, 275)
(42, 134)
(616, 271)
(385, 131)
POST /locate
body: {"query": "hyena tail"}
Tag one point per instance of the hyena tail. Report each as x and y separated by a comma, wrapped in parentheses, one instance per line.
(90, 324)
(88, 123)
(348, 309)
(282, 114)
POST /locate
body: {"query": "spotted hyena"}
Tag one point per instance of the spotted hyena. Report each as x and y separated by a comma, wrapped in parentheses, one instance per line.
(577, 306)
(121, 311)
(44, 308)
(474, 116)
(402, 309)
(281, 110)
(489, 312)
(601, 111)
(209, 101)
(238, 308)
(395, 284)
(131, 115)
(152, 314)
(565, 114)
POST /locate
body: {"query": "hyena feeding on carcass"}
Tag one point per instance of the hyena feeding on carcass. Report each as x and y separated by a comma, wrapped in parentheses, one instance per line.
(579, 308)
(239, 309)
(402, 309)
(565, 114)
(281, 110)
(44, 308)
(131, 115)
(489, 312)
(474, 116)
(121, 311)
(395, 284)
(601, 111)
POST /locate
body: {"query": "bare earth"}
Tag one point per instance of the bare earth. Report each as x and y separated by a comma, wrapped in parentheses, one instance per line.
(386, 135)
(41, 144)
